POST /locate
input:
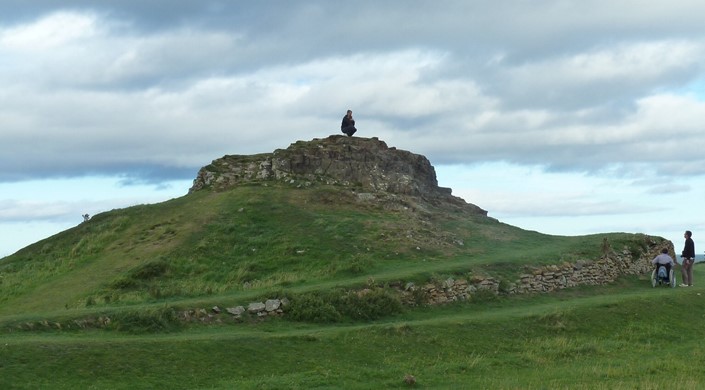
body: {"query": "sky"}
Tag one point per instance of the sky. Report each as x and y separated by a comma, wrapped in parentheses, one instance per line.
(564, 117)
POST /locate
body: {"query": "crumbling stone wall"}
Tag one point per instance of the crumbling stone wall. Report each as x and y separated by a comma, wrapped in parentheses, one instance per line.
(536, 280)
(539, 279)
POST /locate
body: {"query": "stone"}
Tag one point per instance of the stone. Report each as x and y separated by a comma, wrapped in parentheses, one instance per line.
(448, 283)
(236, 311)
(256, 307)
(272, 305)
(363, 292)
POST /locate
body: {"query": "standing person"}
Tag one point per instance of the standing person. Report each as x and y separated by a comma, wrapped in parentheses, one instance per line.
(688, 256)
(348, 125)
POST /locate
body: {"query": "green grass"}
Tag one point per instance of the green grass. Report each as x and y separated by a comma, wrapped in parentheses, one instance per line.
(139, 266)
(262, 238)
(612, 337)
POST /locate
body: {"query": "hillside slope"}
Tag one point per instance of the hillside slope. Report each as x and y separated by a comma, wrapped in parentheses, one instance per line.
(336, 212)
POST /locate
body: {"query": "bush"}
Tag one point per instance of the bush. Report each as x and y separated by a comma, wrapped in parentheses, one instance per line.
(312, 307)
(371, 305)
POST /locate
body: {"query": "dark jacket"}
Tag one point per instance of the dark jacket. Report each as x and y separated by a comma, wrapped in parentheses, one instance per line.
(347, 122)
(689, 249)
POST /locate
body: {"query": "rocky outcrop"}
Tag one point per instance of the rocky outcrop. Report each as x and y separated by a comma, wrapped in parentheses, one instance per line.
(366, 165)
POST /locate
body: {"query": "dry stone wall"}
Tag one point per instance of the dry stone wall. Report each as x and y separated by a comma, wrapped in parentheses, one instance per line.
(539, 279)
(536, 280)
(268, 308)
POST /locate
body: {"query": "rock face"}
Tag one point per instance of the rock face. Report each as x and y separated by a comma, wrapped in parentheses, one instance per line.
(366, 165)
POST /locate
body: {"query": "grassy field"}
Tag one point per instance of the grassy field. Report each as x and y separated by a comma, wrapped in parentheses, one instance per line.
(140, 265)
(628, 335)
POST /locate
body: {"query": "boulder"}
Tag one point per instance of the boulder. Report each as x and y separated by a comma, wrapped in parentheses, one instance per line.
(256, 307)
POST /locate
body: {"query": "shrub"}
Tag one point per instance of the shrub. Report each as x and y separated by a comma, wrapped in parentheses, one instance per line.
(312, 307)
(505, 286)
(336, 305)
(371, 305)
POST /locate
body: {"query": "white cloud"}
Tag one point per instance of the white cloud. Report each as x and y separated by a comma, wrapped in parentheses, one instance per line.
(49, 32)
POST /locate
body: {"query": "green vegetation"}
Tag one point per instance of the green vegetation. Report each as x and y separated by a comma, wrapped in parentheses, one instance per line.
(97, 306)
(623, 336)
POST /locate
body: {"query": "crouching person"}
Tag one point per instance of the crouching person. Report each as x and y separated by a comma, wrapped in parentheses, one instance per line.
(348, 124)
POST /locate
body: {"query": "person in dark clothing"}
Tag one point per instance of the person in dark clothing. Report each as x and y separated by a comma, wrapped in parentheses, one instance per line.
(348, 125)
(688, 256)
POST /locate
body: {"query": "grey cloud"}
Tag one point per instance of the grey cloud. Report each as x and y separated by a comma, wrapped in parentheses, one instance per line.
(566, 207)
(161, 88)
(669, 189)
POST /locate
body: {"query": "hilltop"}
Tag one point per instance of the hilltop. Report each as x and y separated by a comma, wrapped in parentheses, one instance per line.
(366, 166)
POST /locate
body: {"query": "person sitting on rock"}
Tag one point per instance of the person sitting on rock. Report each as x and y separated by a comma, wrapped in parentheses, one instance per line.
(348, 125)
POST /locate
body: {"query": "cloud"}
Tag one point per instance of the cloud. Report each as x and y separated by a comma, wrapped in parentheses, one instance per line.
(149, 92)
(46, 211)
(597, 106)
(557, 203)
(65, 200)
(55, 30)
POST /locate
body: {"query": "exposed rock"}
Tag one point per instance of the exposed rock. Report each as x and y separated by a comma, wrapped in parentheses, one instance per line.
(236, 311)
(256, 307)
(366, 165)
(272, 305)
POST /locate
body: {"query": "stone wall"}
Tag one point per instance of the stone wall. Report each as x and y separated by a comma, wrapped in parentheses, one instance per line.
(539, 279)
(268, 308)
(534, 281)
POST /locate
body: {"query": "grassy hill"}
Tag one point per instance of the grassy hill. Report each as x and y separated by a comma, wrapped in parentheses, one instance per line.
(315, 244)
(250, 240)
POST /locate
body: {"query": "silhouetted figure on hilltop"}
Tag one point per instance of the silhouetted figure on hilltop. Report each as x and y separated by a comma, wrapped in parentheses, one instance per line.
(348, 125)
